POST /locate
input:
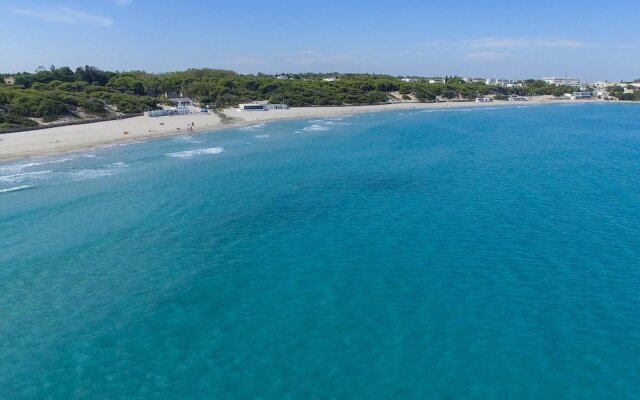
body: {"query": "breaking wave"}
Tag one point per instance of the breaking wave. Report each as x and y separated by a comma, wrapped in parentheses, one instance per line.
(109, 170)
(24, 176)
(16, 189)
(192, 153)
(315, 128)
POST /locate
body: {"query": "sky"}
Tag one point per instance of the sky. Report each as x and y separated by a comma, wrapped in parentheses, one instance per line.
(588, 39)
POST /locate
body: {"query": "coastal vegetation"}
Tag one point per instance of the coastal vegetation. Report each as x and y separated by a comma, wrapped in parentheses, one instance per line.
(88, 92)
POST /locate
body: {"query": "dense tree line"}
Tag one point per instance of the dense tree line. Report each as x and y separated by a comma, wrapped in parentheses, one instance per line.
(88, 91)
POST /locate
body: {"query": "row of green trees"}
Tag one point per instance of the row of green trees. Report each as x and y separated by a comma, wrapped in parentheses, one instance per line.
(89, 91)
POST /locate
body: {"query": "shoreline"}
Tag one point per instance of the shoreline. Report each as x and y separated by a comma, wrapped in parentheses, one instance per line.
(75, 138)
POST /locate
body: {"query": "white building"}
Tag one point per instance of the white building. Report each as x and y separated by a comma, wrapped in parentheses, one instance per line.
(262, 106)
(483, 99)
(565, 81)
(437, 80)
(503, 82)
(473, 80)
(518, 98)
(330, 79)
(603, 84)
(580, 95)
(9, 80)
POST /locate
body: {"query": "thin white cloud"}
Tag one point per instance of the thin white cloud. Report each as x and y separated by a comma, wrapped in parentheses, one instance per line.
(64, 15)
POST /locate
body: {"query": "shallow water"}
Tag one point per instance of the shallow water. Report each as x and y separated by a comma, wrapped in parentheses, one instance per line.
(477, 254)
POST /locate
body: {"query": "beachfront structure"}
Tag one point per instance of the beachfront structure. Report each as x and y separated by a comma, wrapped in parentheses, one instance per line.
(580, 95)
(483, 99)
(9, 80)
(262, 106)
(182, 101)
(564, 81)
(518, 98)
(170, 112)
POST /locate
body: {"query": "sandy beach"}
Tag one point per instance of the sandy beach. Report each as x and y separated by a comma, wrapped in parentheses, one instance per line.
(71, 138)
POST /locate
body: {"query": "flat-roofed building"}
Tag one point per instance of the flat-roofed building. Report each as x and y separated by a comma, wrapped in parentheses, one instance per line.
(574, 82)
(518, 98)
(581, 95)
(262, 106)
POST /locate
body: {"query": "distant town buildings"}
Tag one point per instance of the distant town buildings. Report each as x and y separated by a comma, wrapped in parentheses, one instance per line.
(330, 79)
(564, 81)
(9, 80)
(510, 83)
(473, 80)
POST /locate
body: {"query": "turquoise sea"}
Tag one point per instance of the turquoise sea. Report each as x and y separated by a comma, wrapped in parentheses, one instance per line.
(453, 254)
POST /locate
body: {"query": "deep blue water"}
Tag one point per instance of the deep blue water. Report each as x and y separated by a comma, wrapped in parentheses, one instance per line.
(468, 254)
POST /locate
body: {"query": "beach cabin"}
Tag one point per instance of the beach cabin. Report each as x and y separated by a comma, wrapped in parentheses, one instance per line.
(483, 99)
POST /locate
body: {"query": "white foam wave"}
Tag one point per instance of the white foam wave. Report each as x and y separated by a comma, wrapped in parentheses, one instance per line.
(85, 174)
(24, 176)
(187, 139)
(315, 128)
(261, 136)
(192, 153)
(16, 189)
(109, 170)
(258, 126)
(341, 118)
(18, 168)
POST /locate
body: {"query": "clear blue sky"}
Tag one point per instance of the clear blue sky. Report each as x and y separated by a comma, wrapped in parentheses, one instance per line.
(511, 39)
